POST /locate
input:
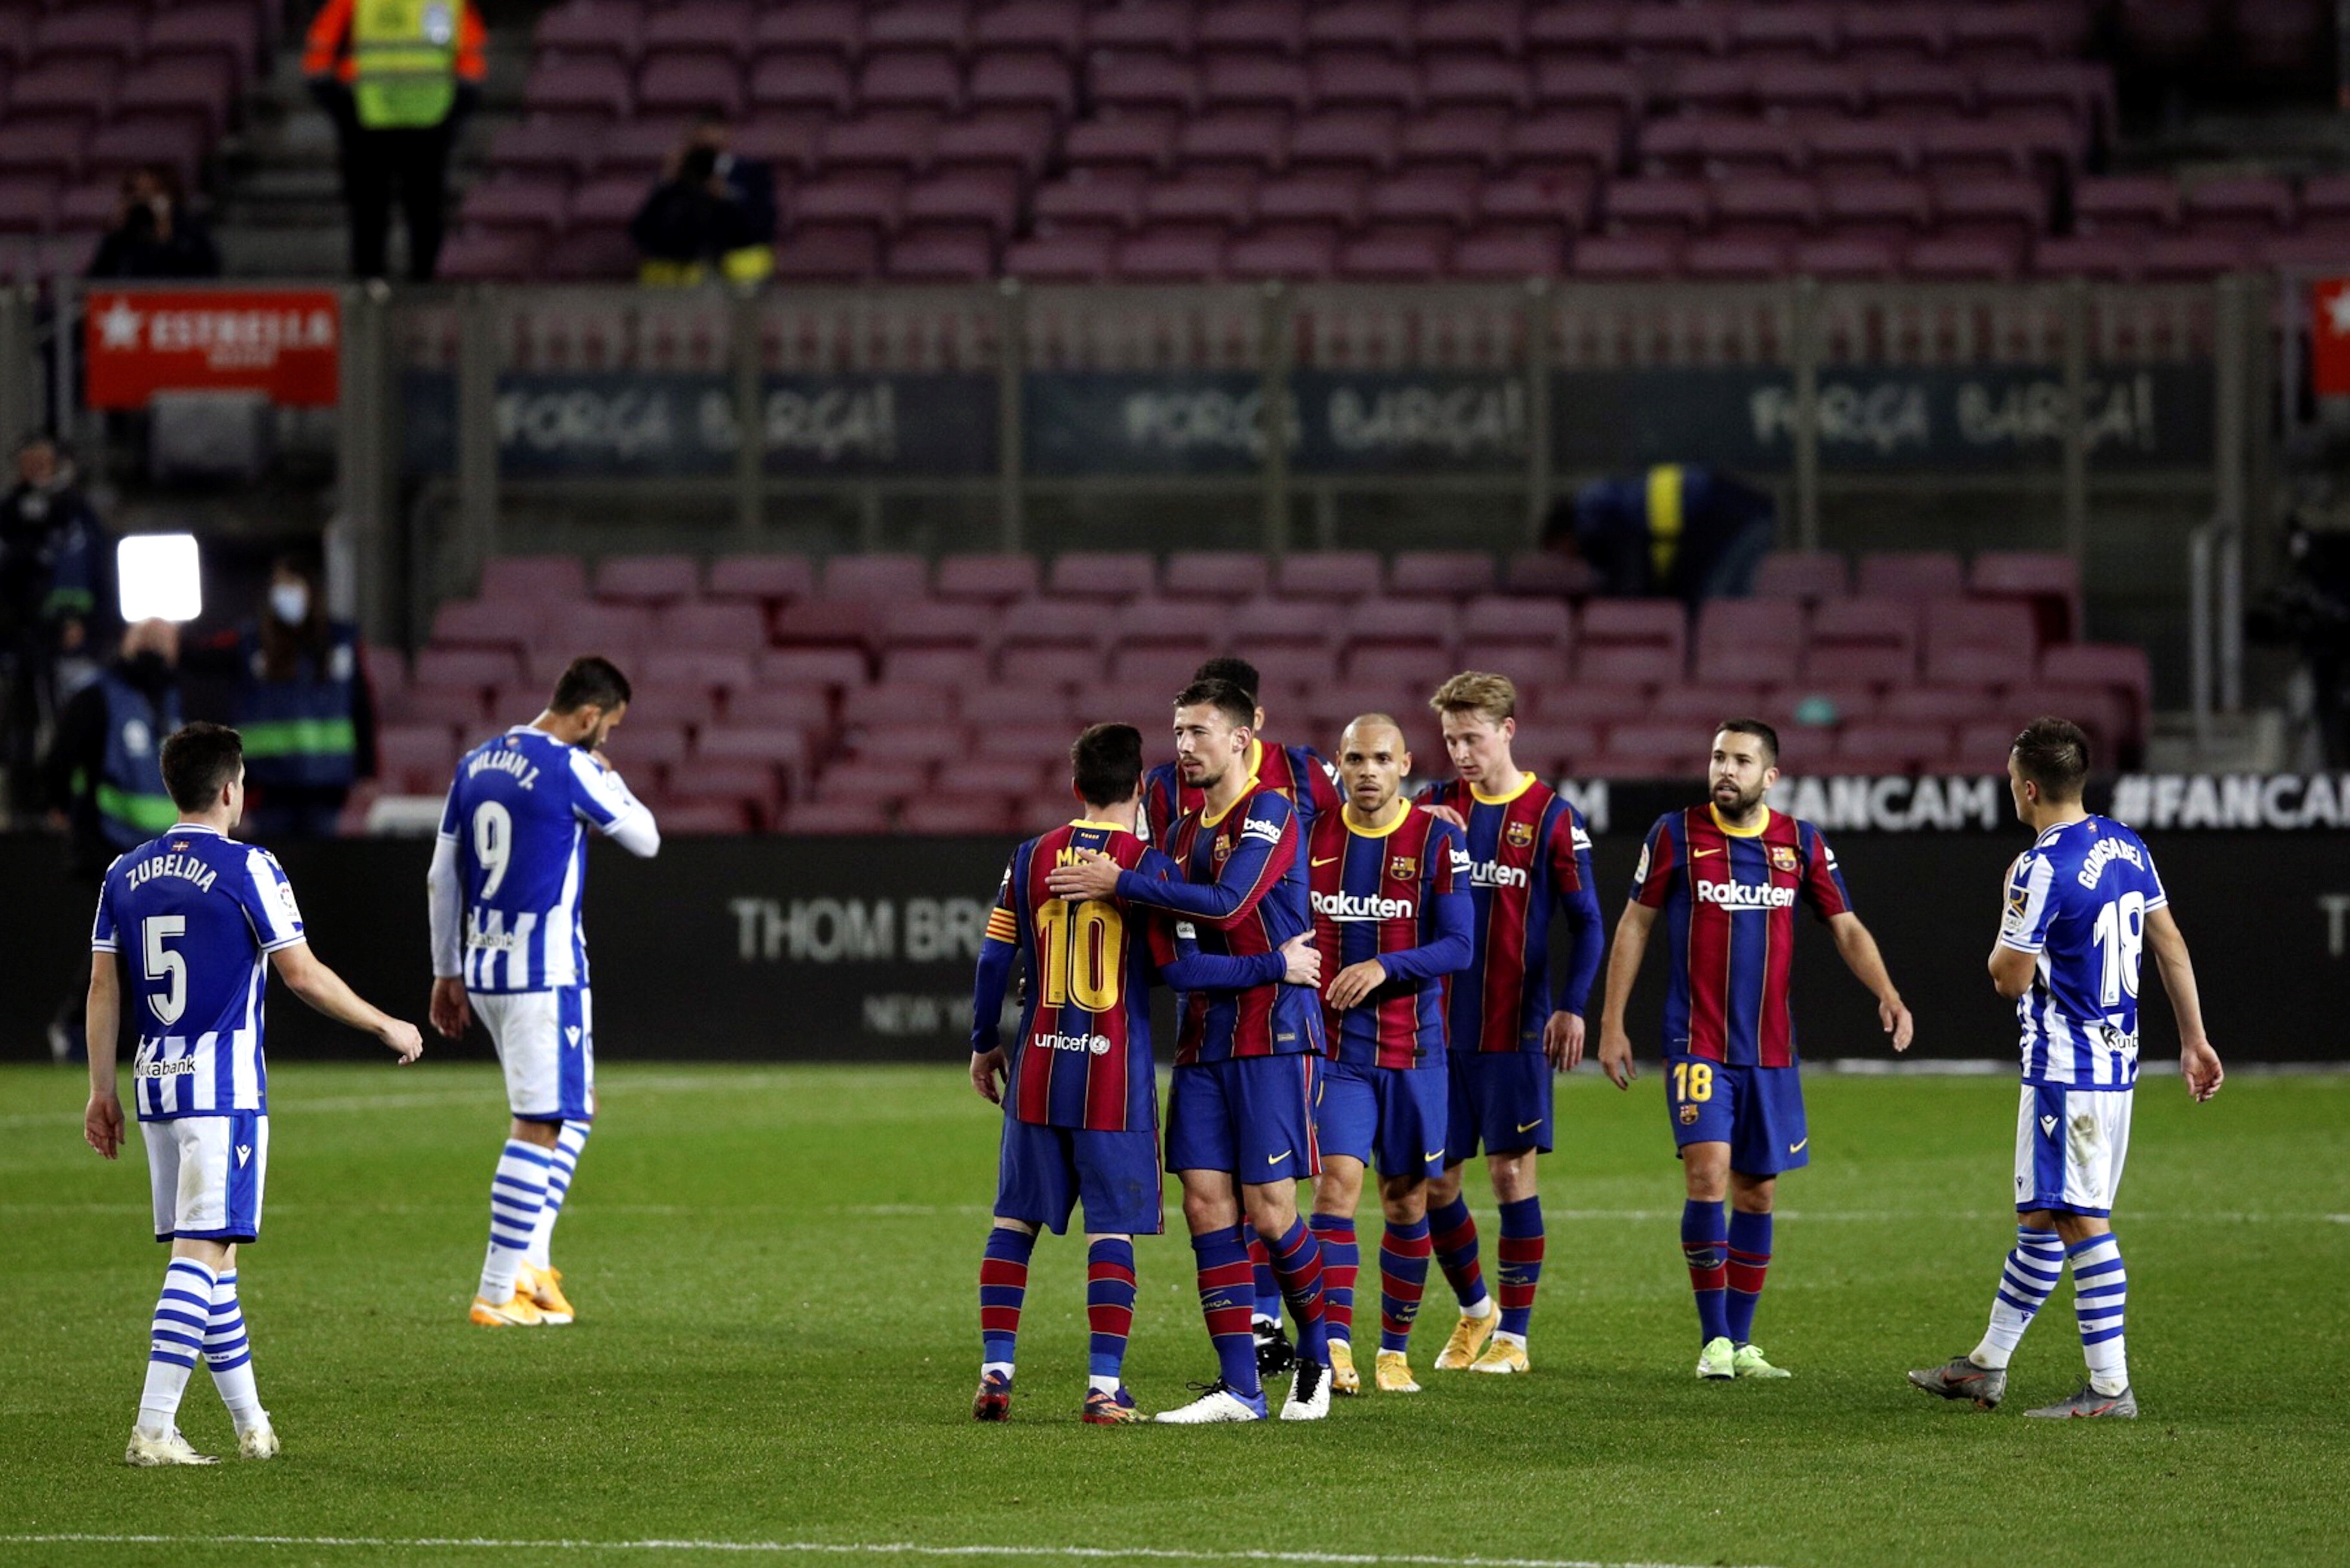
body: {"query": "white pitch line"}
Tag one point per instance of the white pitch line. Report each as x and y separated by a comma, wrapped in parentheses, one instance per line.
(927, 1210)
(845, 1549)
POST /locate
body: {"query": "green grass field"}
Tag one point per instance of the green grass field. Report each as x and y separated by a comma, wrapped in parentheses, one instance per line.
(775, 1273)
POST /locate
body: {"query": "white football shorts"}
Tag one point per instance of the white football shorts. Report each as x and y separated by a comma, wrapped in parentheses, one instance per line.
(2069, 1148)
(206, 1175)
(545, 1041)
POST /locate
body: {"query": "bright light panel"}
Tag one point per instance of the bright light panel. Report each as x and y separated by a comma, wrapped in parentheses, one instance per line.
(162, 577)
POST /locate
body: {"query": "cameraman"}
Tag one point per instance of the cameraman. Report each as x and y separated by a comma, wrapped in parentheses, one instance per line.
(711, 208)
(154, 235)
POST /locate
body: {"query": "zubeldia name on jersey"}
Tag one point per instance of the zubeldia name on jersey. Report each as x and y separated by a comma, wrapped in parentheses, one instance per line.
(189, 867)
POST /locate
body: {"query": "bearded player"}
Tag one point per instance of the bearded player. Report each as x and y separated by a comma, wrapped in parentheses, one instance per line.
(1391, 916)
(1081, 1101)
(1727, 877)
(1511, 1022)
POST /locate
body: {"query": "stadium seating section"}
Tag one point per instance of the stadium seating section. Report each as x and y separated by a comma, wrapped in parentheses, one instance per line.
(91, 88)
(1173, 141)
(875, 691)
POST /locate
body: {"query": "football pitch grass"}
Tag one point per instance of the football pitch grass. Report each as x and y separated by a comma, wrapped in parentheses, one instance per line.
(776, 1272)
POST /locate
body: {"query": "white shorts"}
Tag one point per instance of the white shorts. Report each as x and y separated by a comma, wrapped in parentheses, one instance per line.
(2069, 1148)
(206, 1174)
(545, 1040)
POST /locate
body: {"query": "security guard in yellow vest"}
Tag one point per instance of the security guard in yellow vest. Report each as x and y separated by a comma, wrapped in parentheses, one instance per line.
(397, 76)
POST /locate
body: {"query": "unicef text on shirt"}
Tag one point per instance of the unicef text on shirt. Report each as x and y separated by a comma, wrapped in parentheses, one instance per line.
(1091, 1044)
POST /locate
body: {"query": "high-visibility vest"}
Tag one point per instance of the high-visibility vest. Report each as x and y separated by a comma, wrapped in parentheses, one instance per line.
(133, 804)
(403, 62)
(298, 731)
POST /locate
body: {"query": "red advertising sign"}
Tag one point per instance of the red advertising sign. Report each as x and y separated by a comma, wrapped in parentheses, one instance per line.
(2329, 337)
(280, 341)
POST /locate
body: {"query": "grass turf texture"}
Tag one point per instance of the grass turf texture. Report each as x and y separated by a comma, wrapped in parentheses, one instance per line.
(775, 1271)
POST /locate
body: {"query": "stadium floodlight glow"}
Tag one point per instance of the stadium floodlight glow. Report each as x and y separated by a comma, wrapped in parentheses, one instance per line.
(161, 577)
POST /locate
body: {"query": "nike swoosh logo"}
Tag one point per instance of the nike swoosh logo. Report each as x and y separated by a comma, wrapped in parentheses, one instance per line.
(1432, 1156)
(1797, 1148)
(1702, 854)
(1327, 860)
(1277, 1158)
(1529, 1127)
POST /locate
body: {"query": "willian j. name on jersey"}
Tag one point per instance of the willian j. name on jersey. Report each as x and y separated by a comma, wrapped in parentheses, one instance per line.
(496, 759)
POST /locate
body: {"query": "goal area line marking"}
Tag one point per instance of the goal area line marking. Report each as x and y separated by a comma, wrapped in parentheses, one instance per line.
(827, 1548)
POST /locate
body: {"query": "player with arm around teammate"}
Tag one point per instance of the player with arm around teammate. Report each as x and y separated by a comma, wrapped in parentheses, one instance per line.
(504, 889)
(1391, 915)
(1240, 1121)
(1510, 1022)
(1079, 1096)
(200, 914)
(2083, 905)
(1727, 877)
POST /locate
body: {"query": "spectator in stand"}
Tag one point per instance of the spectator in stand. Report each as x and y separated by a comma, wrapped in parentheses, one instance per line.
(56, 594)
(302, 705)
(397, 77)
(154, 235)
(1679, 531)
(710, 209)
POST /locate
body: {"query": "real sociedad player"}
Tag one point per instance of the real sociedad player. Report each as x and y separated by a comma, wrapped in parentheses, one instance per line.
(1079, 1096)
(1391, 916)
(2083, 904)
(1299, 772)
(1512, 1023)
(204, 918)
(1240, 1124)
(1727, 877)
(508, 944)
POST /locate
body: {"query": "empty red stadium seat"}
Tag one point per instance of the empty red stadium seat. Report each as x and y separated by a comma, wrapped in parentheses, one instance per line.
(537, 578)
(710, 626)
(1911, 575)
(989, 579)
(849, 816)
(966, 812)
(1804, 574)
(770, 579)
(1749, 640)
(1214, 574)
(1336, 575)
(834, 667)
(476, 668)
(648, 580)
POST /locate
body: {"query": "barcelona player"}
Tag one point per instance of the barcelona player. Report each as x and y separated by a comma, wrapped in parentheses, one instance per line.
(1302, 775)
(1511, 1022)
(1391, 915)
(2084, 905)
(1080, 1101)
(1727, 877)
(1240, 1125)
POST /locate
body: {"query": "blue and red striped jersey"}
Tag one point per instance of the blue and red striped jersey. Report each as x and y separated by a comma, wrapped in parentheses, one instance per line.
(1083, 1056)
(1728, 901)
(1296, 772)
(1242, 894)
(1529, 854)
(1399, 893)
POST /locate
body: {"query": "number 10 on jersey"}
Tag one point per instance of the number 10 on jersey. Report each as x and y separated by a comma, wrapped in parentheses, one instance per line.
(1079, 952)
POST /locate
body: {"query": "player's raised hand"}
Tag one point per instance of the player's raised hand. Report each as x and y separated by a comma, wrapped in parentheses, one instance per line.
(1355, 982)
(1091, 876)
(451, 1013)
(2199, 1065)
(988, 1069)
(1446, 814)
(1894, 1015)
(404, 1039)
(1562, 1041)
(1304, 962)
(101, 1123)
(1616, 1057)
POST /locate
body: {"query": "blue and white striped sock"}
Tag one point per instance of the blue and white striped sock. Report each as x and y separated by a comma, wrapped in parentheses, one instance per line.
(174, 1340)
(229, 1354)
(2032, 1271)
(518, 1193)
(568, 1146)
(2100, 1292)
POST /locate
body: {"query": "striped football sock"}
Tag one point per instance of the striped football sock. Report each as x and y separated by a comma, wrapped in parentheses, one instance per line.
(518, 1193)
(1518, 1267)
(1002, 1288)
(1403, 1277)
(1225, 1299)
(1342, 1261)
(1750, 1259)
(2025, 1284)
(567, 1145)
(173, 1342)
(1110, 1309)
(1268, 1289)
(230, 1356)
(1455, 1240)
(2100, 1292)
(1705, 1238)
(1297, 1264)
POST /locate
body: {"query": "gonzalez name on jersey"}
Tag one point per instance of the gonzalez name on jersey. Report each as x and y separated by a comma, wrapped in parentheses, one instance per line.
(2078, 900)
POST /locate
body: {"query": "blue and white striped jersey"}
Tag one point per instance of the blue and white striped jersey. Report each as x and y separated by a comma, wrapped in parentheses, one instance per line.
(197, 913)
(515, 815)
(2078, 898)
